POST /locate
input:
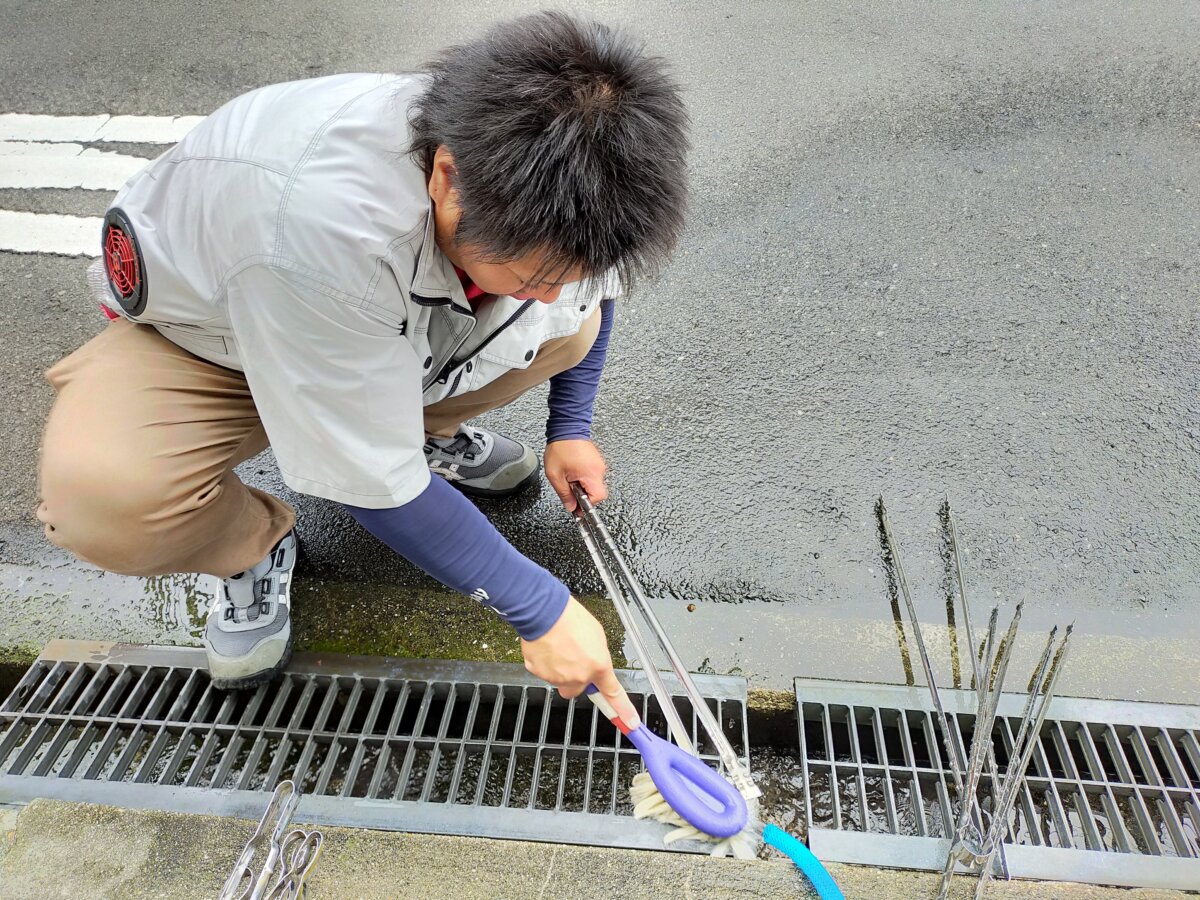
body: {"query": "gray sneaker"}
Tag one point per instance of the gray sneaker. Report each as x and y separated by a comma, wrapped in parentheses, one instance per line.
(482, 463)
(248, 635)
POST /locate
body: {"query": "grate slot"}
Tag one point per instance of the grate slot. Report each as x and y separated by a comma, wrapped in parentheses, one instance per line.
(858, 776)
(1172, 831)
(136, 746)
(1142, 826)
(184, 698)
(305, 774)
(350, 719)
(200, 772)
(888, 781)
(590, 718)
(370, 724)
(48, 687)
(1190, 757)
(1169, 748)
(33, 748)
(511, 771)
(412, 717)
(832, 782)
(70, 690)
(160, 701)
(96, 678)
(109, 751)
(396, 701)
(436, 761)
(1122, 837)
(184, 754)
(1046, 771)
(468, 725)
(296, 711)
(334, 757)
(11, 739)
(135, 698)
(1189, 814)
(335, 776)
(154, 754)
(15, 702)
(88, 735)
(241, 744)
(1082, 793)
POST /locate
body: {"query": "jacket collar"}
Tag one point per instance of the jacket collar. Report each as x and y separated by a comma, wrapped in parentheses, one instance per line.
(435, 278)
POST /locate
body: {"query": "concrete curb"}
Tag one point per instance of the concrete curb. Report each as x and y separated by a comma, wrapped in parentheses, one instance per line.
(57, 849)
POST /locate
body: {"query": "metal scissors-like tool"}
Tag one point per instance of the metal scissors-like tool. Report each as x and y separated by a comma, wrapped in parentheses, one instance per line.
(275, 862)
(298, 855)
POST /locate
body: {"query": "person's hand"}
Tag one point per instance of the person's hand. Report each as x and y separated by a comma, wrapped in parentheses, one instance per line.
(573, 654)
(575, 460)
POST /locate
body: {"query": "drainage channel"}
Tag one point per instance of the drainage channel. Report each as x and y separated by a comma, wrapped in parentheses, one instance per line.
(413, 745)
(1112, 795)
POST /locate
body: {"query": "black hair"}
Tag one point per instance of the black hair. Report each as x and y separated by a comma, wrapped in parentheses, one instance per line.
(567, 140)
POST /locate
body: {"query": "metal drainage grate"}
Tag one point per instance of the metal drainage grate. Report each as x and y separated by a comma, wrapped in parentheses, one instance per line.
(1112, 794)
(412, 745)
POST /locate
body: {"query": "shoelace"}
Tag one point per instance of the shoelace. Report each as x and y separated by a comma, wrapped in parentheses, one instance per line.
(259, 592)
(464, 443)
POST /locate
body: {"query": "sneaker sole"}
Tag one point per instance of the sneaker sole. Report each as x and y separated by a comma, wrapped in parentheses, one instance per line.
(473, 491)
(257, 676)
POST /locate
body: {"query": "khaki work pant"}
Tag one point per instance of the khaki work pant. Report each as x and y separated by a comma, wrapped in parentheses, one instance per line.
(136, 472)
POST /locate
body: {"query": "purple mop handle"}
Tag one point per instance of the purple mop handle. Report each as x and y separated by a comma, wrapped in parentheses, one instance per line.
(690, 786)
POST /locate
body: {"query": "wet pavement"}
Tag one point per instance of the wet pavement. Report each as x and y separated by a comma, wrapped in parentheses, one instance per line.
(949, 252)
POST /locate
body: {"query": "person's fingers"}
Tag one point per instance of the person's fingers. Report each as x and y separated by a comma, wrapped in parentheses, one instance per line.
(596, 489)
(572, 689)
(562, 487)
(606, 682)
(566, 495)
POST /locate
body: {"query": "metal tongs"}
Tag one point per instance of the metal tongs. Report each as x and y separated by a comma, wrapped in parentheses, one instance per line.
(607, 558)
(275, 862)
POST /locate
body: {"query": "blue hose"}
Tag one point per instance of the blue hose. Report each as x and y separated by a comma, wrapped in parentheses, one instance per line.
(827, 888)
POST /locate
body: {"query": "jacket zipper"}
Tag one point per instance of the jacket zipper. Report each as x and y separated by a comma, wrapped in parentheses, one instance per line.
(440, 301)
(453, 363)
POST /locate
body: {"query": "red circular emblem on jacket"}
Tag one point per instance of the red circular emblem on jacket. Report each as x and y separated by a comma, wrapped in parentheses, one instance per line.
(123, 263)
(120, 260)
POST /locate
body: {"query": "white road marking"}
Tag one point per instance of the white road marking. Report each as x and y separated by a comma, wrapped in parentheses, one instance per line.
(92, 170)
(49, 152)
(131, 129)
(148, 129)
(20, 127)
(35, 148)
(24, 232)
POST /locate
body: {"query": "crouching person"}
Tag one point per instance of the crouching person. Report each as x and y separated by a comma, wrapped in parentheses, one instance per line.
(350, 270)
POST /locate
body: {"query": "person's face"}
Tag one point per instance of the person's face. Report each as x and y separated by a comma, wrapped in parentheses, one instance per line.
(514, 278)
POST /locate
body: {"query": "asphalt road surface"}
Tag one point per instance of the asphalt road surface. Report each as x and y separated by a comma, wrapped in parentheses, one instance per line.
(935, 251)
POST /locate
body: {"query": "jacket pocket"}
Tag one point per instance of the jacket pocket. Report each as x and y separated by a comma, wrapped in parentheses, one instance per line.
(195, 340)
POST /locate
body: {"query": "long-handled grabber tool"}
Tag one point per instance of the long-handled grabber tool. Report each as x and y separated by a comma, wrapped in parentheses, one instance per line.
(653, 796)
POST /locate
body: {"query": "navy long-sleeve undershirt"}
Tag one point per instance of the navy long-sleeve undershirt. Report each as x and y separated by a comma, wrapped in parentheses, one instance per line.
(449, 538)
(442, 532)
(573, 392)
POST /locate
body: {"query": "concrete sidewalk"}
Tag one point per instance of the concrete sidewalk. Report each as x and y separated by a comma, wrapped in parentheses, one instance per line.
(54, 849)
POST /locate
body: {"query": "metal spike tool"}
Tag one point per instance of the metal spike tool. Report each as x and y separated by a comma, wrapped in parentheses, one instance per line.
(978, 841)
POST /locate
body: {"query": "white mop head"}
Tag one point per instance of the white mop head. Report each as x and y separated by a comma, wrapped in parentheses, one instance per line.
(648, 803)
